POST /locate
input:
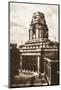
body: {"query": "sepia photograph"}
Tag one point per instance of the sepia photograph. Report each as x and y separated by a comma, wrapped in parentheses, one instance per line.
(33, 44)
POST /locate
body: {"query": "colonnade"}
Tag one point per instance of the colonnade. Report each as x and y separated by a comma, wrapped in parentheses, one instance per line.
(31, 63)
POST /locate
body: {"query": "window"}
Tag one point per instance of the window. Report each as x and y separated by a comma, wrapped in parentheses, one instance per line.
(35, 17)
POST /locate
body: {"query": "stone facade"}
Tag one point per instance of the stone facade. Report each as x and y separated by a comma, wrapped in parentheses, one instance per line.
(33, 52)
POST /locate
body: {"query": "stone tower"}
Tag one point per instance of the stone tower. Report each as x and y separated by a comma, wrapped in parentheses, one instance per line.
(38, 28)
(31, 51)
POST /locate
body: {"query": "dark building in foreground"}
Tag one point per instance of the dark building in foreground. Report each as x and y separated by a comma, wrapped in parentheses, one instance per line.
(14, 61)
(39, 54)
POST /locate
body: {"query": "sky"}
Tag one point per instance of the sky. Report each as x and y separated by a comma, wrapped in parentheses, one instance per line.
(21, 16)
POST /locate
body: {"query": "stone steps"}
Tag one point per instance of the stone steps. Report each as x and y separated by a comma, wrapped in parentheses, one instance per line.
(42, 81)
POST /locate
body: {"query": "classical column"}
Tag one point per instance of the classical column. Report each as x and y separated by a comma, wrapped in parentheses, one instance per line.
(31, 62)
(30, 34)
(38, 63)
(25, 64)
(36, 33)
(40, 33)
(20, 62)
(28, 63)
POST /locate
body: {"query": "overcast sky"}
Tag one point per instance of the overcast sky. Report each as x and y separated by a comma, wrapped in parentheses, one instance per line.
(20, 18)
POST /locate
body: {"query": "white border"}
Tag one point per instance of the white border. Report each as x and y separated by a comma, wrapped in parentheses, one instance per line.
(4, 44)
